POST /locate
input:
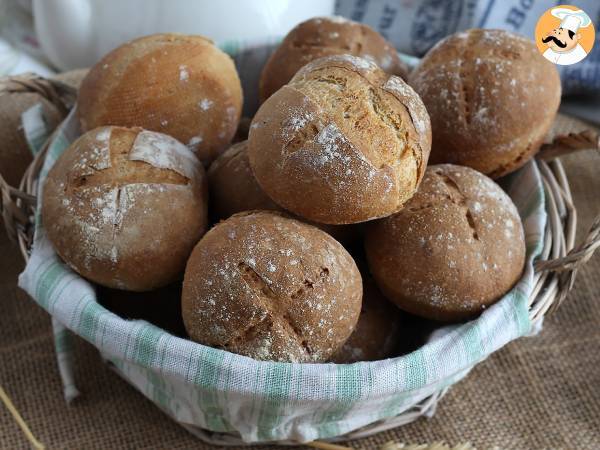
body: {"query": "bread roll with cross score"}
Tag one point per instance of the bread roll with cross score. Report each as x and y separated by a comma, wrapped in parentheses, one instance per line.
(491, 96)
(326, 36)
(124, 207)
(272, 288)
(343, 142)
(180, 85)
(453, 250)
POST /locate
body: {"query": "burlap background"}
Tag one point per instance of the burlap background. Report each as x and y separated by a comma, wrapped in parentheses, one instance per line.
(540, 392)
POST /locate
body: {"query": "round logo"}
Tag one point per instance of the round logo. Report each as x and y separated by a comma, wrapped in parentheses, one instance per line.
(565, 34)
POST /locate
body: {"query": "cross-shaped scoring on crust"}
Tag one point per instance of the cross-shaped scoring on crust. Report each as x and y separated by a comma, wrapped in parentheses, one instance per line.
(130, 164)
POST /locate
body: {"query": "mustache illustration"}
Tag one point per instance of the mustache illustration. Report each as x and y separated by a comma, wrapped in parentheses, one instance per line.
(556, 41)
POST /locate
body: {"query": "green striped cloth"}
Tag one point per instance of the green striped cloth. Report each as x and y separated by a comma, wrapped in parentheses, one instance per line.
(263, 401)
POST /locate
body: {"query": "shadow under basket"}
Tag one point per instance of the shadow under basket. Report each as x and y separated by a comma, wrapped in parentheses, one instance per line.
(552, 276)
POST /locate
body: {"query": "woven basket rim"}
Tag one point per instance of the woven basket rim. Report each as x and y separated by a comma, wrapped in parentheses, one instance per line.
(555, 269)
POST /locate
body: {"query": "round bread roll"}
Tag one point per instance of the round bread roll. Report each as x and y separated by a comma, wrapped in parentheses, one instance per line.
(15, 154)
(325, 36)
(455, 248)
(343, 142)
(234, 189)
(124, 207)
(272, 288)
(491, 96)
(183, 86)
(377, 331)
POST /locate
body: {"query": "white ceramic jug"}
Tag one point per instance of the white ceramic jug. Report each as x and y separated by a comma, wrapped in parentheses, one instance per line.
(76, 33)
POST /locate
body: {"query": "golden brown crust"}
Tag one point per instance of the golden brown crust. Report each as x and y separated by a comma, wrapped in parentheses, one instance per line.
(377, 330)
(272, 288)
(124, 207)
(491, 97)
(15, 154)
(455, 248)
(326, 36)
(343, 142)
(183, 86)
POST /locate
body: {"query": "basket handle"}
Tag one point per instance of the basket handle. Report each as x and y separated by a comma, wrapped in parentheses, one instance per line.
(568, 265)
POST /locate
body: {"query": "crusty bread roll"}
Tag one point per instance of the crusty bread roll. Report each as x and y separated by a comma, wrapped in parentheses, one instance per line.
(234, 189)
(325, 36)
(491, 96)
(455, 248)
(377, 331)
(124, 207)
(183, 86)
(343, 142)
(272, 288)
(15, 154)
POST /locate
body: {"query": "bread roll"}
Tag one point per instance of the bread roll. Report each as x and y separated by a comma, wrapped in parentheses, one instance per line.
(234, 189)
(271, 288)
(491, 96)
(326, 36)
(455, 248)
(376, 334)
(343, 142)
(183, 86)
(124, 207)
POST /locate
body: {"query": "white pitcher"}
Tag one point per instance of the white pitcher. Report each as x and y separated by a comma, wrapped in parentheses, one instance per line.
(76, 33)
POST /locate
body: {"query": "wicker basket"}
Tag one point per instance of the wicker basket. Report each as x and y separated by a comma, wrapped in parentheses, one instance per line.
(555, 270)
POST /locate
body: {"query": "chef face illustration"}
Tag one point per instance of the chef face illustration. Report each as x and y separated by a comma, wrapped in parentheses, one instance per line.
(563, 40)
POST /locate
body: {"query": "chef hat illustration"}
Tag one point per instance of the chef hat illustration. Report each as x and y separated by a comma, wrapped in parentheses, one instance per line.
(572, 20)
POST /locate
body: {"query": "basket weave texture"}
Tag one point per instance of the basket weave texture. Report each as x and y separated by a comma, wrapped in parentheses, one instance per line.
(555, 269)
